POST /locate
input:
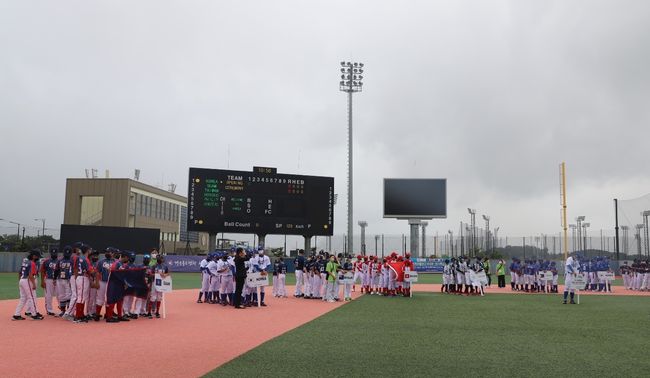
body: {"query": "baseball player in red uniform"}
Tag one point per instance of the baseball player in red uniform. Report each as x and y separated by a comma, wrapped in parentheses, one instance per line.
(408, 266)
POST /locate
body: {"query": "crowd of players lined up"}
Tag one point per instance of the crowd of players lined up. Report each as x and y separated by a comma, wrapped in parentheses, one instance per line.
(319, 276)
(636, 276)
(79, 281)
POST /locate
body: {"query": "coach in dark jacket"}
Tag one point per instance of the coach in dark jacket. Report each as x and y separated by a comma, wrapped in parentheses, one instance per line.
(240, 275)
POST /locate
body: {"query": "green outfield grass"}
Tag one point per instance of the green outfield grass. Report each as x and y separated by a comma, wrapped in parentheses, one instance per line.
(444, 335)
(9, 282)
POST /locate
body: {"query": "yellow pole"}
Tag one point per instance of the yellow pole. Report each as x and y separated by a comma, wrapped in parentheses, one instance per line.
(564, 225)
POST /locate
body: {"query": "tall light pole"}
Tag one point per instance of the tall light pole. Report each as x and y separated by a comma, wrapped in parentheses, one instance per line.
(451, 241)
(579, 221)
(472, 213)
(645, 215)
(351, 76)
(584, 235)
(487, 232)
(16, 223)
(625, 245)
(637, 236)
(41, 220)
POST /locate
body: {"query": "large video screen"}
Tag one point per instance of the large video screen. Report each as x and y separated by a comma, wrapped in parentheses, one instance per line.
(415, 198)
(261, 202)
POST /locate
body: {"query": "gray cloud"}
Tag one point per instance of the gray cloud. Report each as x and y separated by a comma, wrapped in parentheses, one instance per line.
(491, 95)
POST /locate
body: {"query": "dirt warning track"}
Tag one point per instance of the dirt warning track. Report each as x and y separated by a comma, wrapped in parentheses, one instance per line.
(193, 340)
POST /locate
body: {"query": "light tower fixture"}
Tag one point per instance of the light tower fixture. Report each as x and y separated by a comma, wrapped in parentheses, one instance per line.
(645, 216)
(486, 218)
(351, 82)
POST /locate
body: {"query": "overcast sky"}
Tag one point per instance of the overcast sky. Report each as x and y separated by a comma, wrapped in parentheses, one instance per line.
(491, 95)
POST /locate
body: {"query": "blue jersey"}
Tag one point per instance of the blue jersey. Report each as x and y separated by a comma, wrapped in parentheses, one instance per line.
(50, 269)
(104, 268)
(160, 268)
(27, 269)
(81, 266)
(65, 269)
(282, 268)
(299, 262)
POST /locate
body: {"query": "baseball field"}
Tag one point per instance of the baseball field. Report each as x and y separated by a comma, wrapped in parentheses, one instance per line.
(431, 334)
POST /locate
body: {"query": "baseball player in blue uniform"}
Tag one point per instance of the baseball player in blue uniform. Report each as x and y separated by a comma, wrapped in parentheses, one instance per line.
(27, 286)
(103, 268)
(63, 289)
(279, 281)
(49, 275)
(299, 264)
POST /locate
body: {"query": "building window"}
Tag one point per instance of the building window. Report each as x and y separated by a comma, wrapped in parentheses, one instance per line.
(141, 202)
(92, 210)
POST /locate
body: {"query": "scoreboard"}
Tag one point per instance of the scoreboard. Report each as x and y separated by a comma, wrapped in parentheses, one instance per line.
(261, 202)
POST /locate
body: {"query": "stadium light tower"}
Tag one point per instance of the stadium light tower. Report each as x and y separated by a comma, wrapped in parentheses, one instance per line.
(637, 236)
(573, 236)
(351, 76)
(584, 234)
(487, 232)
(645, 215)
(472, 213)
(579, 221)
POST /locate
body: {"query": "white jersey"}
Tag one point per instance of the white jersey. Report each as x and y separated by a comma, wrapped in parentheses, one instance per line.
(212, 268)
(203, 264)
(223, 268)
(571, 266)
(263, 262)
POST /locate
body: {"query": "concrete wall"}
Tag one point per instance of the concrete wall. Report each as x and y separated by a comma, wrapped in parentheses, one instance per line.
(116, 200)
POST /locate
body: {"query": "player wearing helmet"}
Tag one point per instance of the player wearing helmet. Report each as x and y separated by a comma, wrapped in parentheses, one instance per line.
(27, 286)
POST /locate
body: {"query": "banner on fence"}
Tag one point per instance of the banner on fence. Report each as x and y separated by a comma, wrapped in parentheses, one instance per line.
(429, 265)
(184, 264)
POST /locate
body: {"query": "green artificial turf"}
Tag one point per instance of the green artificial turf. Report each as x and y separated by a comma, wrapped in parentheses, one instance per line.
(444, 335)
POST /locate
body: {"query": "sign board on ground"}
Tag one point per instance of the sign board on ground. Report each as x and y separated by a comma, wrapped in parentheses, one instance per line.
(411, 276)
(257, 279)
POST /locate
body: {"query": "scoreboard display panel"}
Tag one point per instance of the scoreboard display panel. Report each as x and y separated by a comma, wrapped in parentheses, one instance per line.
(261, 202)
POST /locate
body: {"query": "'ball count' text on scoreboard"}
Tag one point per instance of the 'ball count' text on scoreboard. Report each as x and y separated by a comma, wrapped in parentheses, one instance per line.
(261, 202)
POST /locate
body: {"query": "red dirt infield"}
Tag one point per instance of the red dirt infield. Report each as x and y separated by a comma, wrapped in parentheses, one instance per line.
(193, 340)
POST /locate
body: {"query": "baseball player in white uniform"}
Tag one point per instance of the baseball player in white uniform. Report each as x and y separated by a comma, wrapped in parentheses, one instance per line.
(570, 271)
